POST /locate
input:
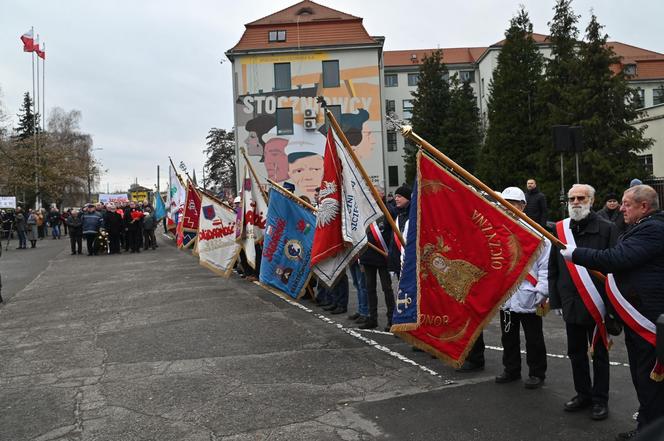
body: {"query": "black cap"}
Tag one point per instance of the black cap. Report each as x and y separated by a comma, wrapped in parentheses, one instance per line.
(404, 191)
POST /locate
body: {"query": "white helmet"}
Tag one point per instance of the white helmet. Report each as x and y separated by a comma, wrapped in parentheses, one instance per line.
(514, 194)
(237, 200)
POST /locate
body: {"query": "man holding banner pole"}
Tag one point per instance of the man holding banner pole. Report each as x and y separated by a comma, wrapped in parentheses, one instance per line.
(581, 299)
(634, 287)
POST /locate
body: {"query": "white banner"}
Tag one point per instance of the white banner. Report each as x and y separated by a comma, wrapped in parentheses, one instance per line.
(255, 214)
(176, 195)
(116, 198)
(7, 201)
(217, 248)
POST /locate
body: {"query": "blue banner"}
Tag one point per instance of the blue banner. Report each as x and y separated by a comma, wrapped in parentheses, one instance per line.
(289, 235)
(159, 208)
(404, 317)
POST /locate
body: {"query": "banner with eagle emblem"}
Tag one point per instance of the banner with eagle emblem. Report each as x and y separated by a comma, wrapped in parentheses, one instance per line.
(464, 256)
(345, 210)
(289, 235)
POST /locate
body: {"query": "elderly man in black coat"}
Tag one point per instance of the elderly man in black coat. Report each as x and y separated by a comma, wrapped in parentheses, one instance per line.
(591, 231)
(637, 263)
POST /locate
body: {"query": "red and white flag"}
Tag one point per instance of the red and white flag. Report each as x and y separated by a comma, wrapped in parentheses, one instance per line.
(253, 218)
(346, 208)
(41, 53)
(35, 44)
(28, 41)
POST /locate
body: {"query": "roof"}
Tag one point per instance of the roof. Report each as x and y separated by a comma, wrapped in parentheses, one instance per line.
(457, 55)
(539, 39)
(307, 24)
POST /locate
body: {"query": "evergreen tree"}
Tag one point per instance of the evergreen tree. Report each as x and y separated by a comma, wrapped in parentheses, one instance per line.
(603, 107)
(461, 126)
(514, 118)
(220, 162)
(430, 103)
(26, 119)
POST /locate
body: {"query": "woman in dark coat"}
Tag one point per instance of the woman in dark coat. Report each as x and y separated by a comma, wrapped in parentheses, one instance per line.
(113, 225)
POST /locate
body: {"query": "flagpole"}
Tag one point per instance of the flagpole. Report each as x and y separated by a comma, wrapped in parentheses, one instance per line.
(43, 88)
(34, 130)
(314, 209)
(363, 172)
(253, 172)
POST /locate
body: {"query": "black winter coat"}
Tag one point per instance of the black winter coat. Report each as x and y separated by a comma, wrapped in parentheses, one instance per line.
(113, 222)
(592, 232)
(75, 225)
(372, 257)
(614, 216)
(637, 263)
(536, 206)
(394, 256)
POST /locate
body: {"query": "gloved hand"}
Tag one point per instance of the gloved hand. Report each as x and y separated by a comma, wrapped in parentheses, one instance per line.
(567, 252)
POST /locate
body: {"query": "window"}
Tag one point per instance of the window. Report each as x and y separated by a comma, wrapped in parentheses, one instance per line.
(391, 141)
(274, 36)
(331, 73)
(467, 76)
(282, 78)
(390, 106)
(285, 121)
(407, 109)
(658, 95)
(630, 69)
(391, 80)
(336, 112)
(639, 97)
(393, 175)
(646, 161)
(413, 78)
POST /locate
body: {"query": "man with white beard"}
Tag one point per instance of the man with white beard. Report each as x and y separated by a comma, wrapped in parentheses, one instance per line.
(580, 297)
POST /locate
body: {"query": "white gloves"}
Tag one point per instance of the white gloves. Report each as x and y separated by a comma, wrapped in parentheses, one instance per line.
(567, 252)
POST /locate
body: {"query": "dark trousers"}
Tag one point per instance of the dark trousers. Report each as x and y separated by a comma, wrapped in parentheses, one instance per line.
(339, 292)
(579, 338)
(476, 353)
(370, 272)
(149, 240)
(91, 242)
(113, 243)
(76, 242)
(641, 355)
(510, 325)
(133, 238)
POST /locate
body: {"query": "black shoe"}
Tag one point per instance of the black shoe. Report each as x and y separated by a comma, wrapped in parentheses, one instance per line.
(73, 253)
(469, 366)
(627, 435)
(600, 412)
(506, 377)
(354, 316)
(533, 382)
(339, 310)
(324, 304)
(369, 324)
(361, 320)
(577, 403)
(330, 307)
(387, 328)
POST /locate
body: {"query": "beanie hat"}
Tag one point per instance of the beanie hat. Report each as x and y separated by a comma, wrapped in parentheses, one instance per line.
(611, 196)
(404, 191)
(635, 182)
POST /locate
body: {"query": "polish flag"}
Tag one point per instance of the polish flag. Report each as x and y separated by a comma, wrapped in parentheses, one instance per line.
(41, 53)
(28, 41)
(35, 44)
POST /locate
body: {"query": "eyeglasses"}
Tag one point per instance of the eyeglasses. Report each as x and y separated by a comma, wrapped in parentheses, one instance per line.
(577, 198)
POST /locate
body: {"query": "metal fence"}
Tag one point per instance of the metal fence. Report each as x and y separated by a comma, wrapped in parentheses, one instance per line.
(658, 185)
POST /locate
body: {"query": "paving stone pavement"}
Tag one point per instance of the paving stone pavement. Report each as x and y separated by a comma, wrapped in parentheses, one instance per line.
(152, 346)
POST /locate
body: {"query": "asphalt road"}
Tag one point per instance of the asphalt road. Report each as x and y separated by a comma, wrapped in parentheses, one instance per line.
(152, 346)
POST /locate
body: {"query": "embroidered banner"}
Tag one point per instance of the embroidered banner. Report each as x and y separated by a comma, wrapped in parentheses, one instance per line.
(251, 217)
(469, 256)
(217, 248)
(192, 208)
(289, 235)
(175, 198)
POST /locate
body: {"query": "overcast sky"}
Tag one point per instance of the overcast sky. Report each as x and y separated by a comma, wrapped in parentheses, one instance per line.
(150, 76)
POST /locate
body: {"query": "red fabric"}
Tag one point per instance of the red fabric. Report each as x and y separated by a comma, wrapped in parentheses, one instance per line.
(471, 256)
(192, 208)
(28, 42)
(136, 214)
(41, 53)
(328, 240)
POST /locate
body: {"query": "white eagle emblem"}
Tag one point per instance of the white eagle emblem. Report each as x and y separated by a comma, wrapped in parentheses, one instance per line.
(328, 208)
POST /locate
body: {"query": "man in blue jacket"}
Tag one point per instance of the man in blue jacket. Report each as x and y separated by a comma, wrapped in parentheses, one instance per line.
(637, 263)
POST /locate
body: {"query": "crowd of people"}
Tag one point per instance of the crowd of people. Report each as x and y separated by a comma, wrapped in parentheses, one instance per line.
(106, 228)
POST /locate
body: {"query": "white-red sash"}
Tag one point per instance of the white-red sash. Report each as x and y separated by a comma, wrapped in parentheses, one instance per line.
(378, 237)
(635, 320)
(585, 286)
(531, 278)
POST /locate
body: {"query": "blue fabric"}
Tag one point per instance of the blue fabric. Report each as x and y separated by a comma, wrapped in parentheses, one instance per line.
(289, 235)
(405, 311)
(159, 208)
(360, 284)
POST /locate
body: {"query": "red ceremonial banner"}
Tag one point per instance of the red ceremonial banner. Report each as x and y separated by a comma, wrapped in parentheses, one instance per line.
(471, 255)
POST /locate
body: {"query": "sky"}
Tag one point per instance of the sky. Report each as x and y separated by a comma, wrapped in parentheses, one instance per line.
(151, 79)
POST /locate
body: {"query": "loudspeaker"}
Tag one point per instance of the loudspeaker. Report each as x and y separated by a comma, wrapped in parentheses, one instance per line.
(562, 140)
(576, 133)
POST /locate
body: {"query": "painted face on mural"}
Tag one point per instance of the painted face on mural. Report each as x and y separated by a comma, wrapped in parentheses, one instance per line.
(254, 148)
(306, 173)
(364, 150)
(276, 160)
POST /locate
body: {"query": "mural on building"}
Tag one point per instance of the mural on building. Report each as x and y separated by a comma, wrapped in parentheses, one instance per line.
(296, 155)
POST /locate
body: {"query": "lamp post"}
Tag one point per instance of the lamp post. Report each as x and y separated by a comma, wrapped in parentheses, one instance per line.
(90, 164)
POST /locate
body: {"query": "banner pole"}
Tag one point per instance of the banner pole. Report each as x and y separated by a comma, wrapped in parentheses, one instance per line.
(253, 173)
(363, 172)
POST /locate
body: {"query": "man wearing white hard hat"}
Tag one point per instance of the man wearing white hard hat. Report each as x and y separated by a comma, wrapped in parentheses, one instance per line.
(524, 309)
